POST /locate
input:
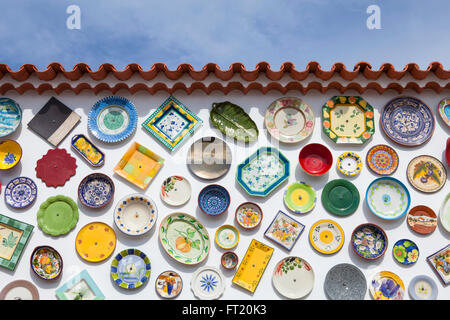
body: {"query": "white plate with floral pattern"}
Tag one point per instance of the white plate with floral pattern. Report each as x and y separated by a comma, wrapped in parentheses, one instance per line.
(176, 191)
(293, 278)
(208, 283)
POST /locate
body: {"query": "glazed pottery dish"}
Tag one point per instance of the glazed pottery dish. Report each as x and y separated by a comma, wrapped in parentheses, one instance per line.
(229, 260)
(10, 154)
(382, 160)
(345, 282)
(422, 219)
(369, 241)
(422, 287)
(57, 215)
(444, 110)
(326, 236)
(248, 215)
(444, 213)
(95, 242)
(87, 150)
(169, 284)
(46, 263)
(10, 116)
(349, 164)
(293, 278)
(386, 285)
(405, 252)
(20, 192)
(315, 159)
(208, 283)
(439, 261)
(80, 287)
(284, 230)
(447, 152)
(214, 199)
(388, 198)
(340, 197)
(176, 191)
(56, 167)
(227, 236)
(300, 197)
(96, 190)
(130, 269)
(19, 290)
(426, 173)
(135, 214)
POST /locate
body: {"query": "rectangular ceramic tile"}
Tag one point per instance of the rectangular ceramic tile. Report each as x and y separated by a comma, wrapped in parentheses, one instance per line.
(284, 230)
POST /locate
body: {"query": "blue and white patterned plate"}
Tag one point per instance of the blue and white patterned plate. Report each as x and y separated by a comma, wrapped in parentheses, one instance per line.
(96, 190)
(214, 199)
(20, 192)
(207, 283)
(112, 119)
(135, 214)
(10, 116)
(130, 269)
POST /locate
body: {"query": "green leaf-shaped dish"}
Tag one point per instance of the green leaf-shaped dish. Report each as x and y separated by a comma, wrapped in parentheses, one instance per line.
(233, 121)
(57, 215)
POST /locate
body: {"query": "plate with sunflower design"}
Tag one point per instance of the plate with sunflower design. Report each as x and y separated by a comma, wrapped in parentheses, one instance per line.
(405, 252)
(426, 173)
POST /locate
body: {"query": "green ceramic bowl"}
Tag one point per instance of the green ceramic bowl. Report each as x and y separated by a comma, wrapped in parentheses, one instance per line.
(300, 197)
(340, 197)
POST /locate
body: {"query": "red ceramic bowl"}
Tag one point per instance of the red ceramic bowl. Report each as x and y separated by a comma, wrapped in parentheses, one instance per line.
(315, 158)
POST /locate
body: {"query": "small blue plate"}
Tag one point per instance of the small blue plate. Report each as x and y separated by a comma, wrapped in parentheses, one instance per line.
(96, 190)
(20, 192)
(214, 199)
(422, 287)
(10, 116)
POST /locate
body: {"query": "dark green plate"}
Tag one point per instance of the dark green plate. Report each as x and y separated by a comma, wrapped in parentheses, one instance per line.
(340, 197)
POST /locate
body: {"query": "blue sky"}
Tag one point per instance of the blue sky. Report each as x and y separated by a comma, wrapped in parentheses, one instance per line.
(247, 31)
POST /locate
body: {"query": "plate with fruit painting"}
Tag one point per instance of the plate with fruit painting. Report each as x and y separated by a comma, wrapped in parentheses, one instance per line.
(426, 173)
(176, 191)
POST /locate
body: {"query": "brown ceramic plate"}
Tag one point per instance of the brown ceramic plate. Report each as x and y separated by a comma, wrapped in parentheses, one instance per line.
(19, 290)
(422, 219)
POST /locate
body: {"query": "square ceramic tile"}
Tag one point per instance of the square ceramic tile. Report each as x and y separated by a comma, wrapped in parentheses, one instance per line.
(284, 230)
(439, 262)
(80, 287)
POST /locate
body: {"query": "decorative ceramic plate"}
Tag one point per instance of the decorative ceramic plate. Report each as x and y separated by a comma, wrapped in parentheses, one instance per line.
(340, 197)
(57, 215)
(130, 269)
(56, 167)
(80, 287)
(176, 191)
(169, 284)
(229, 260)
(20, 192)
(10, 116)
(135, 214)
(349, 163)
(407, 121)
(263, 171)
(19, 290)
(284, 230)
(209, 158)
(315, 159)
(422, 287)
(444, 110)
(95, 242)
(348, 119)
(326, 236)
(289, 120)
(345, 282)
(184, 238)
(249, 215)
(300, 197)
(88, 151)
(46, 263)
(227, 236)
(447, 152)
(96, 190)
(382, 160)
(253, 265)
(426, 173)
(387, 285)
(10, 154)
(388, 198)
(139, 165)
(439, 261)
(422, 219)
(369, 241)
(405, 252)
(172, 123)
(293, 278)
(214, 199)
(208, 283)
(444, 213)
(112, 119)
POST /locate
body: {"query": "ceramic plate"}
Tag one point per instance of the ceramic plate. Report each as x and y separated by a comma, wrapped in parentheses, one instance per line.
(46, 263)
(382, 160)
(96, 190)
(263, 171)
(57, 215)
(349, 163)
(135, 214)
(176, 191)
(405, 252)
(80, 287)
(56, 167)
(340, 197)
(209, 158)
(208, 283)
(249, 215)
(10, 154)
(444, 110)
(130, 269)
(345, 282)
(229, 260)
(300, 197)
(169, 284)
(20, 192)
(407, 121)
(422, 287)
(284, 230)
(184, 238)
(326, 236)
(112, 119)
(315, 158)
(289, 120)
(444, 213)
(426, 173)
(19, 290)
(227, 236)
(388, 198)
(214, 199)
(95, 242)
(88, 150)
(387, 285)
(369, 241)
(293, 278)
(439, 261)
(422, 219)
(10, 116)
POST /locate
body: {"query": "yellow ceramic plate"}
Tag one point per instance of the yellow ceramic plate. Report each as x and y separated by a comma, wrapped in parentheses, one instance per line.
(390, 280)
(95, 242)
(227, 236)
(326, 236)
(10, 154)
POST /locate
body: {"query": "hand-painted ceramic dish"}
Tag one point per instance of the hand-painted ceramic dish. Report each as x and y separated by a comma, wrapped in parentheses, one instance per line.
(229, 260)
(422, 287)
(407, 121)
(300, 197)
(130, 269)
(382, 160)
(20, 192)
(447, 152)
(386, 285)
(369, 241)
(284, 230)
(10, 154)
(426, 173)
(184, 238)
(293, 278)
(169, 284)
(249, 215)
(340, 197)
(19, 290)
(315, 159)
(135, 214)
(214, 199)
(227, 236)
(57, 215)
(46, 263)
(345, 282)
(88, 150)
(444, 110)
(96, 190)
(405, 252)
(112, 119)
(289, 120)
(80, 287)
(439, 261)
(326, 236)
(95, 242)
(422, 219)
(10, 116)
(56, 167)
(176, 191)
(388, 198)
(444, 213)
(208, 283)
(349, 163)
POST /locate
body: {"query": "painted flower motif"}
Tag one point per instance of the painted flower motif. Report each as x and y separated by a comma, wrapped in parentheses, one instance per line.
(352, 99)
(400, 253)
(413, 255)
(369, 114)
(326, 124)
(366, 135)
(389, 288)
(208, 282)
(309, 124)
(330, 103)
(9, 158)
